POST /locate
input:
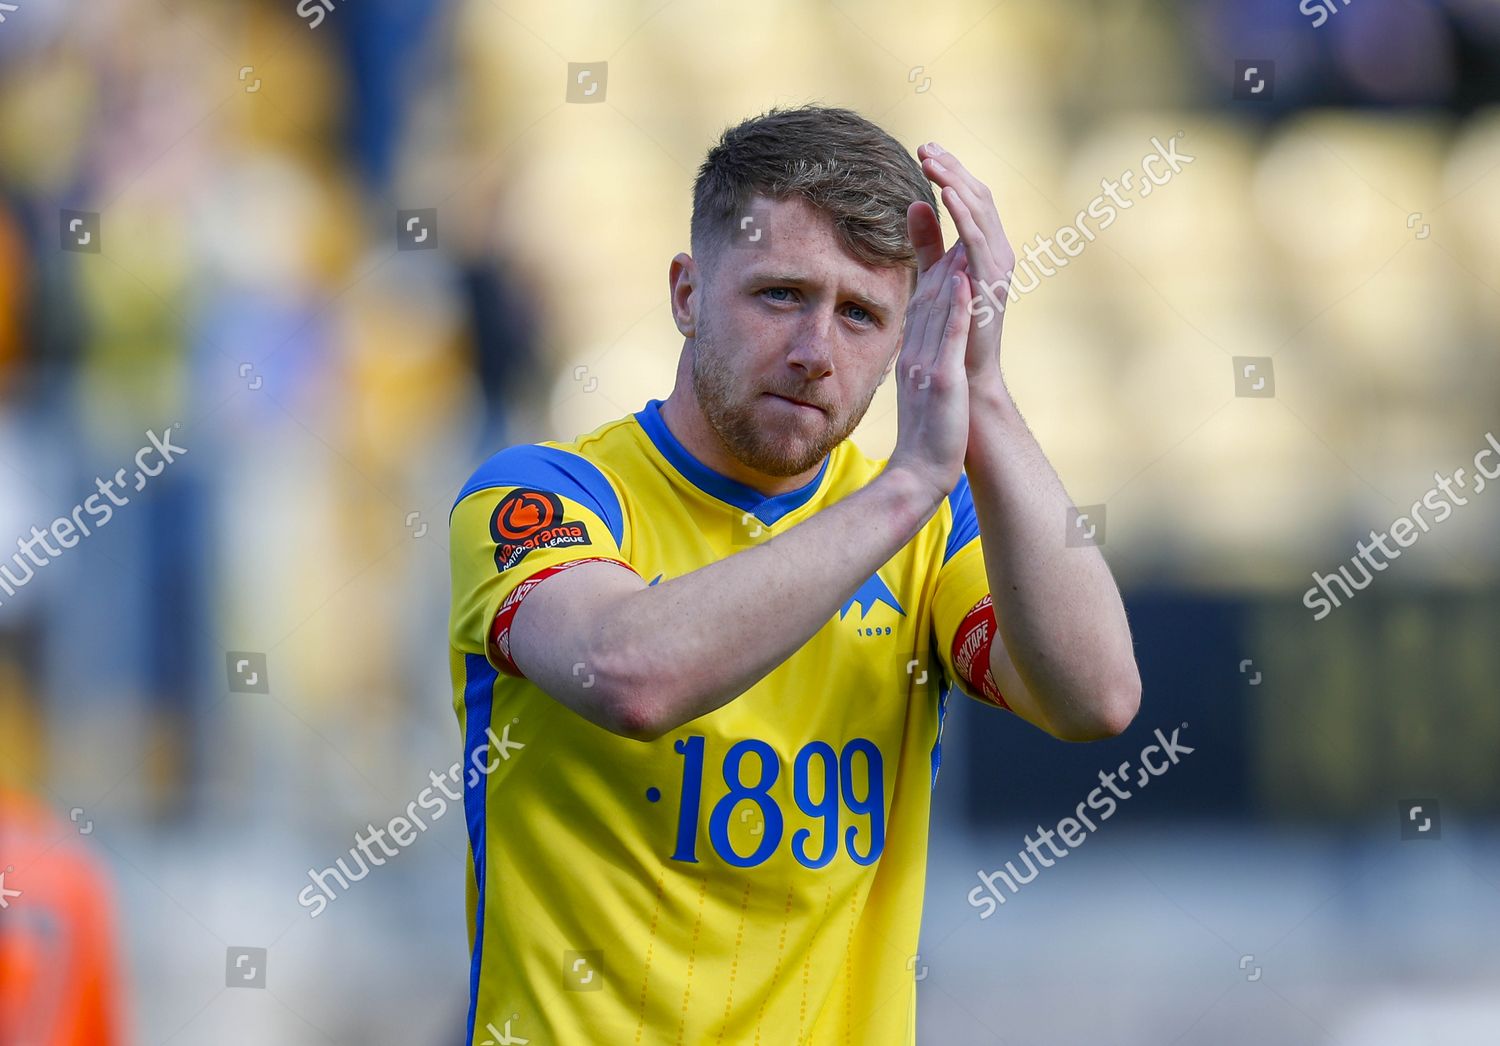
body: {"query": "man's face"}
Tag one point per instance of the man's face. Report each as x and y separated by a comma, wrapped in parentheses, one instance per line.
(791, 316)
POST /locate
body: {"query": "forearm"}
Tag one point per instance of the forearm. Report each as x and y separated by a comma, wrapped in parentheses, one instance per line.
(684, 647)
(1057, 608)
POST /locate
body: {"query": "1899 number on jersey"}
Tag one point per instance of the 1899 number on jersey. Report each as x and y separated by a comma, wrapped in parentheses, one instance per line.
(850, 785)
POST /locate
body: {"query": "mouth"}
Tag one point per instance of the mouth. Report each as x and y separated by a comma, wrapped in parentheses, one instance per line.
(797, 402)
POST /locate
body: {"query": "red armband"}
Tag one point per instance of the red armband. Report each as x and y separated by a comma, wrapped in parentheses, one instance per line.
(971, 652)
(500, 630)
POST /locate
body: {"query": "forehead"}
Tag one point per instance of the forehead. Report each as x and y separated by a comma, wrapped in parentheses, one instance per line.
(792, 236)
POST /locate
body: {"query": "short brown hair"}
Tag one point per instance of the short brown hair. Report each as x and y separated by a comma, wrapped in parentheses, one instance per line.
(838, 161)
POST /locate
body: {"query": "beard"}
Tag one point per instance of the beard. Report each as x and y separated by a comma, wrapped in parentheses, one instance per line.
(733, 413)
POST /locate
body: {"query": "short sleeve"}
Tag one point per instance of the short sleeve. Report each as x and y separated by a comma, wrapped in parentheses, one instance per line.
(963, 616)
(527, 512)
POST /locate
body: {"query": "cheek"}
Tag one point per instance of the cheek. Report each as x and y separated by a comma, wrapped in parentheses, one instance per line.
(739, 322)
(762, 331)
(871, 361)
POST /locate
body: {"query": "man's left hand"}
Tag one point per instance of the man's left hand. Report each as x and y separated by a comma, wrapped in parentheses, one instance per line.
(987, 257)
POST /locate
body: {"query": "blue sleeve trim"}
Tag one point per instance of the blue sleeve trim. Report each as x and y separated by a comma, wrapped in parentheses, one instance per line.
(937, 743)
(965, 523)
(479, 696)
(560, 472)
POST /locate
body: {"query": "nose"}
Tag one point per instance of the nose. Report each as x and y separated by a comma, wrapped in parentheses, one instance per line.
(812, 345)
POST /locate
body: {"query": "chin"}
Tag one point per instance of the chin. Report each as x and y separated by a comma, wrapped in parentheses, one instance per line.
(776, 445)
(795, 459)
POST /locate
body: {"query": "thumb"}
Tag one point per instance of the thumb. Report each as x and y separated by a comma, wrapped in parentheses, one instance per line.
(926, 235)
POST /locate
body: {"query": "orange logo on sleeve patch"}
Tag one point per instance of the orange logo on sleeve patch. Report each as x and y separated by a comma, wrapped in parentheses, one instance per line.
(530, 519)
(522, 513)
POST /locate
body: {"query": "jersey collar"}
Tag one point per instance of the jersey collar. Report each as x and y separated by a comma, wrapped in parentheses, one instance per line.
(766, 509)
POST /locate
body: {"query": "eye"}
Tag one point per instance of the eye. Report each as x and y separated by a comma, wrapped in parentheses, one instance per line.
(863, 315)
(774, 292)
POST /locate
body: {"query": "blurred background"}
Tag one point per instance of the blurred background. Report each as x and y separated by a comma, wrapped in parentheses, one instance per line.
(243, 664)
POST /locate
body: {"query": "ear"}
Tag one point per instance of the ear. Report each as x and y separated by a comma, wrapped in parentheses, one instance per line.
(683, 281)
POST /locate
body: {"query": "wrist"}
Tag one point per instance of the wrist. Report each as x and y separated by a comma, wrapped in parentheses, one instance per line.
(988, 395)
(907, 496)
(994, 422)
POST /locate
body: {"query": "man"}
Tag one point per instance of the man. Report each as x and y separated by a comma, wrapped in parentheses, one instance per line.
(701, 655)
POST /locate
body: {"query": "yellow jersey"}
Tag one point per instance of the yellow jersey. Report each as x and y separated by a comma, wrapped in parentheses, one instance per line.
(755, 876)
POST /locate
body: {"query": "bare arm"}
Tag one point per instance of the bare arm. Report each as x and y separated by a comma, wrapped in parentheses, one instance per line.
(1056, 607)
(660, 656)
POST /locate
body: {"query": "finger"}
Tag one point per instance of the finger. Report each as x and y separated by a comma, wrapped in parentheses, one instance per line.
(914, 330)
(938, 329)
(919, 319)
(947, 169)
(930, 284)
(971, 235)
(954, 340)
(926, 233)
(959, 187)
(939, 355)
(924, 313)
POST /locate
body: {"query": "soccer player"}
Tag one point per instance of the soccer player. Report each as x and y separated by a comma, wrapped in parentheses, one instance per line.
(701, 655)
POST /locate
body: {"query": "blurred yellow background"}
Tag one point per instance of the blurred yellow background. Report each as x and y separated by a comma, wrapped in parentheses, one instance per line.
(246, 162)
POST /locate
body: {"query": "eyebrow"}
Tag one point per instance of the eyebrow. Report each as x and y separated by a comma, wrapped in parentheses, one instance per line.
(864, 301)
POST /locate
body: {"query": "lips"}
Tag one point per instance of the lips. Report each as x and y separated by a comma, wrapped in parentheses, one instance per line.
(800, 403)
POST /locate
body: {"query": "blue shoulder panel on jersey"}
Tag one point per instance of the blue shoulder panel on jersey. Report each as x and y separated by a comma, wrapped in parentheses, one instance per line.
(561, 472)
(965, 523)
(742, 496)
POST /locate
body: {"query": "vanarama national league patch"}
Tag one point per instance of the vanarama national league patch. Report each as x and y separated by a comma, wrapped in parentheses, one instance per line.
(529, 519)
